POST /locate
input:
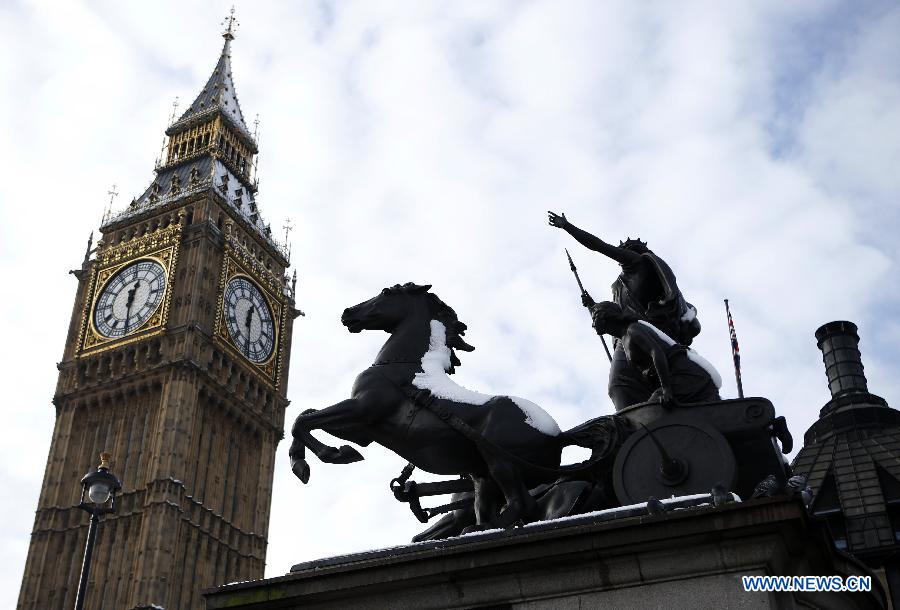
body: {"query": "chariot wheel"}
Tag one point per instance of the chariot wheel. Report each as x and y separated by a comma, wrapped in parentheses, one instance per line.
(672, 458)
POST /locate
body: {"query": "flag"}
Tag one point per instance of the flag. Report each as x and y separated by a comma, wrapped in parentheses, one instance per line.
(735, 351)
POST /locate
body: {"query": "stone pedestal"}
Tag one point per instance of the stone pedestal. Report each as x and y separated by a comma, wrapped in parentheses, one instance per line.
(675, 560)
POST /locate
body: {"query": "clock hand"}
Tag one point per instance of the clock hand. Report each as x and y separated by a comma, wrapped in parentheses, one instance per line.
(128, 304)
(247, 322)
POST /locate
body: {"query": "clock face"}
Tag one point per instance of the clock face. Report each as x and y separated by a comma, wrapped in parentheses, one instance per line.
(249, 320)
(129, 298)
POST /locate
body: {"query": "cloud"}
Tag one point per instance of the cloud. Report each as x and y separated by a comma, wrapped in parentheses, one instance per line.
(754, 146)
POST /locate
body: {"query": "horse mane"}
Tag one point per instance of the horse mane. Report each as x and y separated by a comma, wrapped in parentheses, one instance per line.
(443, 313)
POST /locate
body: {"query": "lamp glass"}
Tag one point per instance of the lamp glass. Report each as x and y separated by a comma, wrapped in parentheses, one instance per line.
(99, 492)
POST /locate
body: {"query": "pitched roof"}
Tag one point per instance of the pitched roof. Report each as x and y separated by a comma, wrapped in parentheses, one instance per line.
(843, 453)
(218, 94)
(200, 175)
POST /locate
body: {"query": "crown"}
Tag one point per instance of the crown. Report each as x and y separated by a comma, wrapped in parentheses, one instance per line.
(631, 244)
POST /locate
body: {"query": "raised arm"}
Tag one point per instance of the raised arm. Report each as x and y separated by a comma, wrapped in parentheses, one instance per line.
(592, 242)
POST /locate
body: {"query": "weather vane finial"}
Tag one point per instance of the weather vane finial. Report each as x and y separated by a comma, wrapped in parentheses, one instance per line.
(112, 197)
(174, 110)
(288, 227)
(231, 24)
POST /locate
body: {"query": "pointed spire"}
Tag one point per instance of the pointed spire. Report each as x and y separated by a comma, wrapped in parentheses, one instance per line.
(209, 149)
(87, 252)
(218, 93)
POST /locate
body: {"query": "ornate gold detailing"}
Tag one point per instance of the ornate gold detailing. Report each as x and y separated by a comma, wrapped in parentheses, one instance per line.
(142, 244)
(161, 246)
(231, 148)
(212, 137)
(255, 267)
(282, 332)
(193, 142)
(235, 265)
(104, 460)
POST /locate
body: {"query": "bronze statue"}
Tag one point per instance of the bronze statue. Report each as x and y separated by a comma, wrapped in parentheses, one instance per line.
(406, 402)
(645, 289)
(507, 450)
(677, 373)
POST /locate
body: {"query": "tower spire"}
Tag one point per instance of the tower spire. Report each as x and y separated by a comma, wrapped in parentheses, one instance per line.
(219, 93)
(209, 148)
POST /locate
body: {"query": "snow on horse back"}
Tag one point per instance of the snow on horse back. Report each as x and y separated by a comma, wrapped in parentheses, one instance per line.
(434, 378)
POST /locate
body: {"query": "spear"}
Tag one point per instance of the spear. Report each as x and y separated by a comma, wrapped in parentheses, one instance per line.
(585, 293)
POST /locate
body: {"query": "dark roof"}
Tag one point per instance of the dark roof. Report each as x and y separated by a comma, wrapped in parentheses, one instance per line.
(845, 460)
(851, 456)
(204, 173)
(852, 453)
(217, 95)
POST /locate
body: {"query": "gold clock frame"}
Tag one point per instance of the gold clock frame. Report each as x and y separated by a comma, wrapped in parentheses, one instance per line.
(271, 367)
(111, 260)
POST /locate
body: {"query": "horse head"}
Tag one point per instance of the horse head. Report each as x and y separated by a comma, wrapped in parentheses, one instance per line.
(385, 311)
(394, 305)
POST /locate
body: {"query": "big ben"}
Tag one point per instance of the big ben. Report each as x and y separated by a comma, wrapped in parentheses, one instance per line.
(176, 364)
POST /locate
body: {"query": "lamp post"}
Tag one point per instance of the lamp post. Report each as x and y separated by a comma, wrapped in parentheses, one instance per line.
(98, 497)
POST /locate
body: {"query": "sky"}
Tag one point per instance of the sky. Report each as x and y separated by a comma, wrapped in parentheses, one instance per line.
(755, 146)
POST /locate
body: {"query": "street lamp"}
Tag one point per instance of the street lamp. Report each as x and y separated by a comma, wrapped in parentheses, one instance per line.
(98, 497)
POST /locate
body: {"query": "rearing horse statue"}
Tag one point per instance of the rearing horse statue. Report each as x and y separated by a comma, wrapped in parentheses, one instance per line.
(406, 402)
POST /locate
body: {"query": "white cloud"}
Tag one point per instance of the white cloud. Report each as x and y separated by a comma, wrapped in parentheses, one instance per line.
(425, 142)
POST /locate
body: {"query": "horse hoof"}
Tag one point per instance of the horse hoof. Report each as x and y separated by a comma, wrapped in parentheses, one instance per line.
(511, 516)
(348, 455)
(345, 455)
(300, 468)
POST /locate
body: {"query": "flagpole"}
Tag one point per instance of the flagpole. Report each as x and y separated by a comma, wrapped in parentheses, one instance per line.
(735, 351)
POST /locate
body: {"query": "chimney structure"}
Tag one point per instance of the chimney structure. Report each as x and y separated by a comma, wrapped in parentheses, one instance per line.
(839, 342)
(852, 458)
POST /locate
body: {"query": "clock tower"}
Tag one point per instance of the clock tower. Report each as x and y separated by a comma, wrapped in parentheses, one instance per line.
(176, 363)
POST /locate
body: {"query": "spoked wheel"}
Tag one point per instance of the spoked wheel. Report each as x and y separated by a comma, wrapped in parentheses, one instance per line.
(672, 458)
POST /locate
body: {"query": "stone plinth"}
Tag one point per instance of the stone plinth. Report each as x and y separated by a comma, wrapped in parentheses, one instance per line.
(670, 561)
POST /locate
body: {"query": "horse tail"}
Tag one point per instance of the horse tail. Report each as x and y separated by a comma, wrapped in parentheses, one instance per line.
(602, 435)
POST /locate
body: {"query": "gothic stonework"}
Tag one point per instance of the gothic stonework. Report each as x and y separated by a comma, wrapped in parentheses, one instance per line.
(190, 417)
